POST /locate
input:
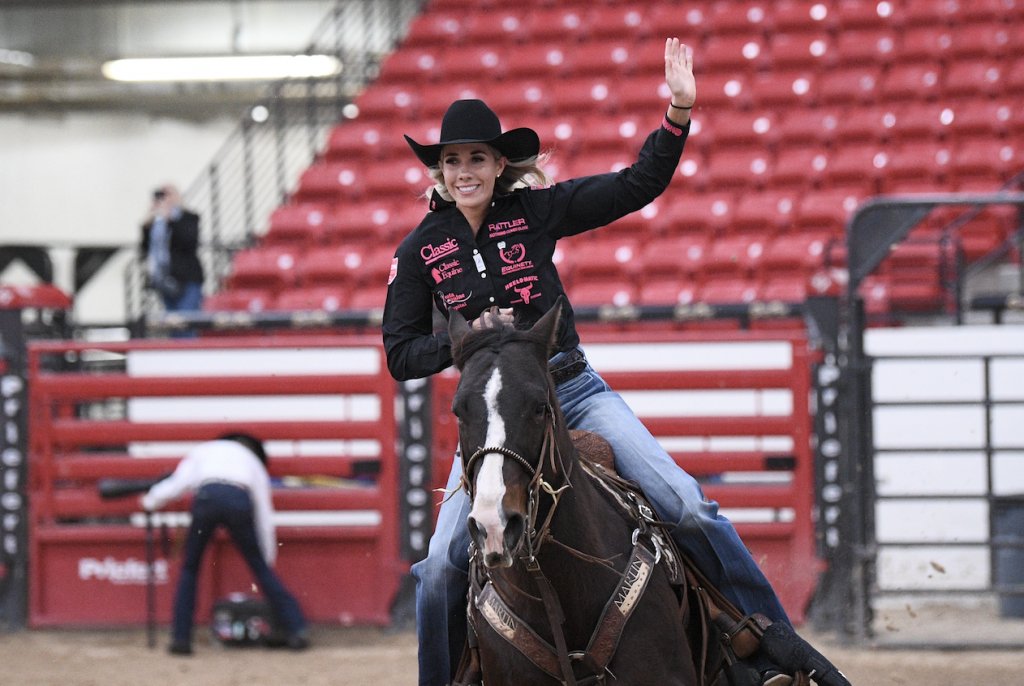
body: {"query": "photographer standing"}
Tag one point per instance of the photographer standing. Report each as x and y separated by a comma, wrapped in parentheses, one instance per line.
(170, 238)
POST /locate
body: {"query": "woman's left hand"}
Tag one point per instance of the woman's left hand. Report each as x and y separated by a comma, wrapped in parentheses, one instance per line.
(679, 73)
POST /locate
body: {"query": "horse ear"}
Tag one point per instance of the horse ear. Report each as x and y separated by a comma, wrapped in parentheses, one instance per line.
(548, 325)
(458, 327)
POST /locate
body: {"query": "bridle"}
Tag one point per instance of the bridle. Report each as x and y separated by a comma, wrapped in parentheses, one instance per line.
(537, 484)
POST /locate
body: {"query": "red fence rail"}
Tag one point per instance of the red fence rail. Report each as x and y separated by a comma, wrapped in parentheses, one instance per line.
(337, 508)
(757, 463)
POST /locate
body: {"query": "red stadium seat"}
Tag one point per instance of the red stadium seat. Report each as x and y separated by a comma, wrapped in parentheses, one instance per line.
(801, 252)
(387, 102)
(619, 23)
(434, 98)
(745, 167)
(400, 178)
(808, 126)
(534, 61)
(330, 265)
(667, 292)
(975, 78)
(926, 161)
(557, 133)
(355, 140)
(324, 298)
(621, 134)
(731, 53)
(847, 86)
(925, 43)
(596, 293)
(739, 254)
(786, 289)
(598, 58)
(268, 268)
(410, 65)
(728, 292)
(918, 120)
(854, 48)
(688, 22)
(434, 28)
(827, 210)
(1015, 77)
(606, 259)
(493, 28)
(865, 14)
(584, 96)
(600, 163)
(329, 182)
(781, 89)
(529, 97)
(980, 40)
(919, 12)
(724, 90)
(707, 214)
(641, 223)
(870, 124)
(404, 219)
(644, 94)
(766, 212)
(239, 300)
(373, 271)
(301, 223)
(800, 51)
(912, 82)
(677, 257)
(856, 164)
(801, 16)
(730, 128)
(364, 222)
(985, 119)
(737, 16)
(368, 298)
(799, 167)
(554, 24)
(472, 63)
(692, 171)
(992, 159)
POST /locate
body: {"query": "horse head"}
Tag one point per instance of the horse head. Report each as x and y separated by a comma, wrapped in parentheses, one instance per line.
(505, 405)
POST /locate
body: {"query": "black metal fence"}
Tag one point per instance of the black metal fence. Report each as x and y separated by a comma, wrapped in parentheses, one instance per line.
(279, 137)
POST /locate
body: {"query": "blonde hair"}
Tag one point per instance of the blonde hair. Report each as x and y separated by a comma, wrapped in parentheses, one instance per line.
(518, 174)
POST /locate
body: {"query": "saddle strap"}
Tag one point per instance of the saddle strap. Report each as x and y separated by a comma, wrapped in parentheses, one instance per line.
(555, 618)
(517, 632)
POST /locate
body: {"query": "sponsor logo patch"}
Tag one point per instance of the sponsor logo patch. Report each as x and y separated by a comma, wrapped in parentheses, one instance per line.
(394, 271)
(456, 300)
(524, 287)
(505, 228)
(446, 270)
(515, 257)
(430, 254)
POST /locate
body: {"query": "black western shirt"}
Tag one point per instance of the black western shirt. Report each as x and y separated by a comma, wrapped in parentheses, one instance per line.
(508, 263)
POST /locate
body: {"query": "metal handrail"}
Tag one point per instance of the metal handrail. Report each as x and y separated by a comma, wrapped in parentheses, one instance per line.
(256, 169)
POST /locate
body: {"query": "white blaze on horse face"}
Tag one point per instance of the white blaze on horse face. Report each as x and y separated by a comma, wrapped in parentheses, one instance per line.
(489, 490)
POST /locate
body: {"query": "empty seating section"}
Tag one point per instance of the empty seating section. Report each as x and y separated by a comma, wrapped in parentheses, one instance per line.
(805, 108)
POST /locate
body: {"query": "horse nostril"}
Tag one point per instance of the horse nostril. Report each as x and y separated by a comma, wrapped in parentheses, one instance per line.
(476, 532)
(514, 530)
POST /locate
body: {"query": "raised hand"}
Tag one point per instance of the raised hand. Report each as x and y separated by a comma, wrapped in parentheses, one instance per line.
(679, 73)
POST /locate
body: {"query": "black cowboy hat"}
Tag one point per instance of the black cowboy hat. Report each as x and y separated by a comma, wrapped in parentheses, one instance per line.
(472, 121)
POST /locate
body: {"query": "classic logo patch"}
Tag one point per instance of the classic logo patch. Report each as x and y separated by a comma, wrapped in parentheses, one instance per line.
(394, 271)
(430, 254)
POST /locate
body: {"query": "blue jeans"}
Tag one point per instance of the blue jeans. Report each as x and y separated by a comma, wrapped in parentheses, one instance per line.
(190, 300)
(707, 537)
(222, 504)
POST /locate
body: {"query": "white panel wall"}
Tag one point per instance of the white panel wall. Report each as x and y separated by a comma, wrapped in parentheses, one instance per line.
(932, 472)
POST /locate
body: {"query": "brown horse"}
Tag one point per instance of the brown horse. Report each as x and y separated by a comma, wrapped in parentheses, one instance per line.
(571, 579)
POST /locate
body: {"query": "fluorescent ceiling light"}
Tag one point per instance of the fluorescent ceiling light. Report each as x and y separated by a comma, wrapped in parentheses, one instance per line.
(226, 68)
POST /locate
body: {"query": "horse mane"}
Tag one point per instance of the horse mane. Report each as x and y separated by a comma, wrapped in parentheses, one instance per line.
(492, 338)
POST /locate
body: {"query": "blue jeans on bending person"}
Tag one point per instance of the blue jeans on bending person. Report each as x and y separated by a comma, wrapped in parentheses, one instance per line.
(709, 539)
(219, 504)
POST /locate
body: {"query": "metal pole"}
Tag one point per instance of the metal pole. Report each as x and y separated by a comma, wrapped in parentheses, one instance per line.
(150, 583)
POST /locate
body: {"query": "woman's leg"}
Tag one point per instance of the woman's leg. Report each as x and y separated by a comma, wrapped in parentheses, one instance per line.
(441, 587)
(707, 537)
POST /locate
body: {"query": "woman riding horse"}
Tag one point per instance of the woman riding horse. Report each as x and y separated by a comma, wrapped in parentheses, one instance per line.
(488, 242)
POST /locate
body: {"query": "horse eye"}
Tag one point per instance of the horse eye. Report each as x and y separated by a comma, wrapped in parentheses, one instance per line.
(540, 410)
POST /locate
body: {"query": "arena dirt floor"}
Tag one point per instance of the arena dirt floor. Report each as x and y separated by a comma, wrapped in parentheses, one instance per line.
(381, 657)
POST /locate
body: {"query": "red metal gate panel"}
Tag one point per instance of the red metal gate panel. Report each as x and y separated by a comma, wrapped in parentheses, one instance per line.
(336, 511)
(753, 459)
